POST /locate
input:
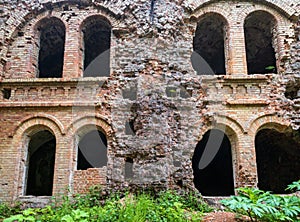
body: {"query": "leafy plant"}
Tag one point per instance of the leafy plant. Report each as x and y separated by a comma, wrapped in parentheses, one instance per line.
(295, 186)
(270, 68)
(6, 210)
(261, 205)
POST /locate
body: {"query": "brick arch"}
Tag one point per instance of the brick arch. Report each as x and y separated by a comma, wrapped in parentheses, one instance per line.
(278, 17)
(233, 124)
(39, 20)
(232, 133)
(267, 121)
(28, 15)
(96, 120)
(113, 22)
(36, 21)
(218, 10)
(40, 119)
(232, 128)
(26, 128)
(277, 5)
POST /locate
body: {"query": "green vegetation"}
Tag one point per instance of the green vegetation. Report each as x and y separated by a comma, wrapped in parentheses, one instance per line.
(264, 206)
(165, 206)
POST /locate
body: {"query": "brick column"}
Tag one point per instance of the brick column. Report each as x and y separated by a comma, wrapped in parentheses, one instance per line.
(237, 50)
(63, 165)
(246, 162)
(72, 58)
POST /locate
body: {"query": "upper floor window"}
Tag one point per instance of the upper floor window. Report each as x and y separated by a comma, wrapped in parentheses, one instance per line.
(96, 46)
(51, 45)
(259, 38)
(209, 44)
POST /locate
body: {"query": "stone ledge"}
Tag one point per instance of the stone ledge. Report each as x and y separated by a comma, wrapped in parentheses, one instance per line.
(255, 102)
(47, 104)
(54, 80)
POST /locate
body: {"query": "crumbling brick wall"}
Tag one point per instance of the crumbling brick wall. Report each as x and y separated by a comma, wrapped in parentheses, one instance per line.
(152, 88)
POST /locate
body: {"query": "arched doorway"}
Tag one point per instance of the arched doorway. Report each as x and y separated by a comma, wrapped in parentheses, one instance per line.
(41, 159)
(278, 159)
(92, 150)
(215, 177)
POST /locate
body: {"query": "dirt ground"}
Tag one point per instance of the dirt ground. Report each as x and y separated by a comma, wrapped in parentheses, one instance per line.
(223, 217)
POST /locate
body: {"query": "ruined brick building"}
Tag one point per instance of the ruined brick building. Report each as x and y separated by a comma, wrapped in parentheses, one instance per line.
(136, 92)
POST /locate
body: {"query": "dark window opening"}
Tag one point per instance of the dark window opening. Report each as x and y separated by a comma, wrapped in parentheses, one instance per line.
(128, 168)
(209, 56)
(258, 29)
(92, 151)
(41, 159)
(278, 159)
(216, 178)
(96, 37)
(6, 93)
(51, 52)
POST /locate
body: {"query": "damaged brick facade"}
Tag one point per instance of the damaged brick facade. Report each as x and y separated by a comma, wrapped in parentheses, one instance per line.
(155, 104)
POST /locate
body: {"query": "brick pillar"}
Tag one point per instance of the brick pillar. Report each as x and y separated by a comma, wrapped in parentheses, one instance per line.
(72, 58)
(63, 165)
(246, 172)
(237, 51)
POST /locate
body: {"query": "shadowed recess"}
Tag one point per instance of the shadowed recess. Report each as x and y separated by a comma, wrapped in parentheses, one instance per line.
(216, 179)
(259, 27)
(278, 159)
(41, 158)
(96, 36)
(209, 44)
(92, 151)
(52, 44)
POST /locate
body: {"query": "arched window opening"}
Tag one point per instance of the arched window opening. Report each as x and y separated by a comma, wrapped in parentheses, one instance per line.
(96, 41)
(51, 48)
(41, 159)
(259, 27)
(278, 159)
(216, 178)
(208, 45)
(92, 150)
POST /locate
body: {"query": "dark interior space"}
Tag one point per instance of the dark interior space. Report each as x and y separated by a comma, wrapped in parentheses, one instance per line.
(258, 38)
(92, 150)
(96, 36)
(52, 44)
(278, 159)
(215, 179)
(209, 44)
(41, 159)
